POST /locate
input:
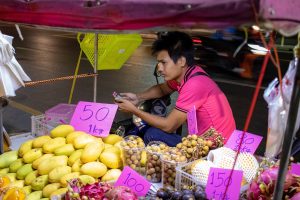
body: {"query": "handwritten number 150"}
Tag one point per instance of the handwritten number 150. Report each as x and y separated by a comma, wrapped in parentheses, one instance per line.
(100, 114)
(220, 179)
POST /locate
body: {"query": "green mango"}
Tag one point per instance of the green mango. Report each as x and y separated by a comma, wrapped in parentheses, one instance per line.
(4, 171)
(14, 166)
(40, 182)
(7, 158)
(24, 171)
(27, 189)
(36, 195)
(31, 177)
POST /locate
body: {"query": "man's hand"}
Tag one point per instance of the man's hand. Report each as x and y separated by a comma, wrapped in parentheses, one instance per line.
(133, 98)
(125, 105)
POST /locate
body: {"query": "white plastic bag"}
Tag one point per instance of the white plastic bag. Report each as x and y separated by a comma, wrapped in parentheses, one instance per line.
(279, 105)
(11, 73)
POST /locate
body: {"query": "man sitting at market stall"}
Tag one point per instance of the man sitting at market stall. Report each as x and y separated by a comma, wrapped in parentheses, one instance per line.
(174, 52)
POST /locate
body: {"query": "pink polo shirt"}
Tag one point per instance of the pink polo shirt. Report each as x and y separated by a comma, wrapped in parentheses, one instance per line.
(213, 109)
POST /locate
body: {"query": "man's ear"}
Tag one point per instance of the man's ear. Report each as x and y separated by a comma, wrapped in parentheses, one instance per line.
(181, 61)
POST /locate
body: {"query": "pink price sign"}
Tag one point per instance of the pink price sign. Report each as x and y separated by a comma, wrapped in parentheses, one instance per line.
(134, 181)
(192, 121)
(218, 179)
(94, 118)
(295, 169)
(249, 143)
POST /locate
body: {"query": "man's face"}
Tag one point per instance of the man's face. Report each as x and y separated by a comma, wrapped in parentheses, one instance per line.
(167, 68)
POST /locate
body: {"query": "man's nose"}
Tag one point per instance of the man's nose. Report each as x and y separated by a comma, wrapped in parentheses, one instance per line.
(159, 67)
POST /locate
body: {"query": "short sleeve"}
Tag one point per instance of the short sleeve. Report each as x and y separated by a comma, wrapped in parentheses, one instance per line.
(192, 93)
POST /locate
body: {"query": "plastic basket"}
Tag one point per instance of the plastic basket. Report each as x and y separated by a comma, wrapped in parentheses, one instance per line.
(40, 125)
(184, 177)
(60, 114)
(113, 49)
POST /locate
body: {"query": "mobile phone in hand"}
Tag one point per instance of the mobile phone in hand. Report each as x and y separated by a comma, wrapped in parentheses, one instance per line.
(116, 95)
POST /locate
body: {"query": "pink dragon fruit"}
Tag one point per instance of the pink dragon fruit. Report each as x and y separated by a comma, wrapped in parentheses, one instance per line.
(262, 187)
(121, 193)
(77, 190)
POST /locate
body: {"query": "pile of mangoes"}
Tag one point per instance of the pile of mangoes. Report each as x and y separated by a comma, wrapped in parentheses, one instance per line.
(43, 166)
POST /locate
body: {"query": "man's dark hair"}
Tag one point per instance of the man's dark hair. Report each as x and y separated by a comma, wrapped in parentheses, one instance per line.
(177, 44)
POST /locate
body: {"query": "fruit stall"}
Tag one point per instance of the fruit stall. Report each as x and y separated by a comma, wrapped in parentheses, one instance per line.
(84, 160)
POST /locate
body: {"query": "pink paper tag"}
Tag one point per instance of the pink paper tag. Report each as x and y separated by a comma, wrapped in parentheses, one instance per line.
(217, 181)
(192, 121)
(249, 144)
(134, 181)
(295, 169)
(94, 118)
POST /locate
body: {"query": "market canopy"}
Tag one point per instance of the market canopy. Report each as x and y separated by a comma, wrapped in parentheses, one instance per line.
(144, 14)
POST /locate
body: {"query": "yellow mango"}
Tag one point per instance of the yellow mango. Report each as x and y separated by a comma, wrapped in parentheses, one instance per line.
(30, 177)
(143, 158)
(111, 175)
(66, 150)
(58, 172)
(113, 149)
(36, 195)
(36, 163)
(65, 178)
(92, 151)
(12, 176)
(50, 188)
(77, 165)
(14, 166)
(94, 169)
(71, 136)
(86, 179)
(25, 147)
(61, 130)
(44, 199)
(32, 155)
(106, 146)
(40, 141)
(40, 182)
(53, 144)
(47, 165)
(112, 139)
(27, 189)
(7, 158)
(24, 171)
(82, 140)
(118, 144)
(18, 183)
(4, 171)
(74, 156)
(58, 194)
(111, 159)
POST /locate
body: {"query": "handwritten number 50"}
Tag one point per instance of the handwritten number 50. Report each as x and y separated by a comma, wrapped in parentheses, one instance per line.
(101, 113)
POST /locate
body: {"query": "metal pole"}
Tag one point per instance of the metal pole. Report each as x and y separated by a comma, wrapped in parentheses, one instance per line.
(95, 66)
(290, 129)
(3, 103)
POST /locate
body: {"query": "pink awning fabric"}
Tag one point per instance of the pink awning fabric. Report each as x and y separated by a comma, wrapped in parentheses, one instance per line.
(128, 14)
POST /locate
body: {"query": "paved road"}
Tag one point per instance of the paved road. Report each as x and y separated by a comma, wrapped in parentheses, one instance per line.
(46, 54)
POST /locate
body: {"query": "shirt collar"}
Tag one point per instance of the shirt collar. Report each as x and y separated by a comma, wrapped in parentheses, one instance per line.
(187, 74)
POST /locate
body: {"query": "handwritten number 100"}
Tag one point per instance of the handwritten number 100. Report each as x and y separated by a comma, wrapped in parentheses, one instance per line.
(90, 113)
